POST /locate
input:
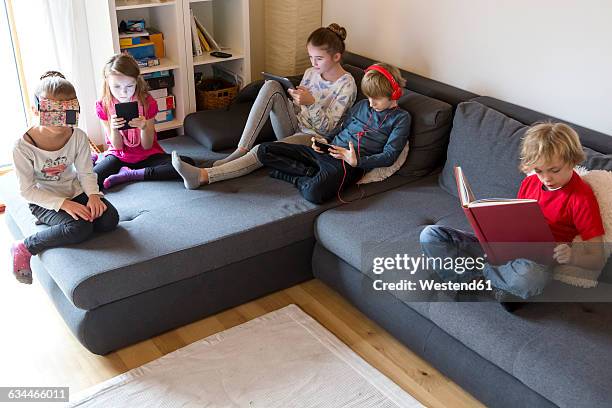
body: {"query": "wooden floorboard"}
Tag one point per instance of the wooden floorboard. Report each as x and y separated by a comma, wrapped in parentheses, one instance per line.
(36, 347)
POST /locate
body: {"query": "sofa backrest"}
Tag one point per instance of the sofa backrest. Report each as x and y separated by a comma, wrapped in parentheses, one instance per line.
(591, 139)
(486, 143)
(414, 82)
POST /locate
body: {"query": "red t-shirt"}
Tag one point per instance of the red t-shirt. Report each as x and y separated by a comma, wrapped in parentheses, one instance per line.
(132, 151)
(571, 210)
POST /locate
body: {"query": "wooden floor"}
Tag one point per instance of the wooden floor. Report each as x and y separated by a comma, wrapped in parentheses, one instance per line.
(37, 349)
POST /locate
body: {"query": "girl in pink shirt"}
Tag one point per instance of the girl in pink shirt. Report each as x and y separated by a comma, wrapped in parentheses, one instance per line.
(133, 154)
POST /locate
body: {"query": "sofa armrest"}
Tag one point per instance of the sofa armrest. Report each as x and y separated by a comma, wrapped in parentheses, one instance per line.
(221, 129)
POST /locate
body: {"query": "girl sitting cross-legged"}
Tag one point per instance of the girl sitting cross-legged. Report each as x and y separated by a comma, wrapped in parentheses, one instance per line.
(54, 170)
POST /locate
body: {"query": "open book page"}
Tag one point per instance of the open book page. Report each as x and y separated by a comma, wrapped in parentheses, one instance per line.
(467, 196)
(465, 191)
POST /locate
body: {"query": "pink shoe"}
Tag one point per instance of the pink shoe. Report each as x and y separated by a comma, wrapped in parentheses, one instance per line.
(21, 262)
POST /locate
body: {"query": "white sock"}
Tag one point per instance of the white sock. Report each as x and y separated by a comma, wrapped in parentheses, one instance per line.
(189, 173)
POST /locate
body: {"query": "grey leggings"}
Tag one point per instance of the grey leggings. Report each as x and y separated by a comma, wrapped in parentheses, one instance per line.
(271, 102)
(249, 162)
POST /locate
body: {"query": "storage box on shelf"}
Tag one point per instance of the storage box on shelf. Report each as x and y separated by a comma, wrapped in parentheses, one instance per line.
(160, 83)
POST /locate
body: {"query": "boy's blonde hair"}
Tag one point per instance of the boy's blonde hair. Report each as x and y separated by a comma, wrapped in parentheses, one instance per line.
(124, 64)
(54, 85)
(376, 85)
(549, 141)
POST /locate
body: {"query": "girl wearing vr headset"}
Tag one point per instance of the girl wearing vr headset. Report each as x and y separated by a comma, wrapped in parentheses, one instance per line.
(55, 175)
(134, 154)
(325, 94)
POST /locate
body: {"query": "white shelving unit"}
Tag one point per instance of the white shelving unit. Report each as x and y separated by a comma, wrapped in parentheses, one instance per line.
(136, 4)
(226, 20)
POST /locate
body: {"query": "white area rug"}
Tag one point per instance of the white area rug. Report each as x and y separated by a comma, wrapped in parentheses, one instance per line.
(282, 359)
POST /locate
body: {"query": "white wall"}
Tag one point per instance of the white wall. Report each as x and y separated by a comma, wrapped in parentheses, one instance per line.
(554, 56)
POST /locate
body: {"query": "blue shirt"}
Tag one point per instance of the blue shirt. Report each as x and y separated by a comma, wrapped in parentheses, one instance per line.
(386, 134)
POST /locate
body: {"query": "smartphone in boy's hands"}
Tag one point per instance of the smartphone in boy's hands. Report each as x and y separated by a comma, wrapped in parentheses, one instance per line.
(323, 146)
(127, 111)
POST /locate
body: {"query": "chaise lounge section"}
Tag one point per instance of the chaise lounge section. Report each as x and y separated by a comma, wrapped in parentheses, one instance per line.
(180, 255)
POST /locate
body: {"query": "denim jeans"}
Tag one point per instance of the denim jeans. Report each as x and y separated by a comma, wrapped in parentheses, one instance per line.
(321, 176)
(521, 277)
(65, 230)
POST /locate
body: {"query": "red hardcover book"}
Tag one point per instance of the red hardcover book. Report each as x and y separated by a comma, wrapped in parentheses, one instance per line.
(509, 228)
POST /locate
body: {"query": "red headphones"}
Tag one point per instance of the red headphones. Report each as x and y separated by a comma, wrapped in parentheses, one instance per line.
(397, 90)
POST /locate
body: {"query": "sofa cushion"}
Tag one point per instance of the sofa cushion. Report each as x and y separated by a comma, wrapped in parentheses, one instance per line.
(597, 146)
(381, 173)
(388, 223)
(485, 143)
(357, 74)
(561, 351)
(431, 123)
(597, 161)
(590, 138)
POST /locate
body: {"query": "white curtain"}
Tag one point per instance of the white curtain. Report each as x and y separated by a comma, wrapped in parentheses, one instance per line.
(53, 35)
(11, 106)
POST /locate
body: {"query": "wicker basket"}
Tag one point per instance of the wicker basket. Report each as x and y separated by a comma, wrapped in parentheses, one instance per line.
(219, 98)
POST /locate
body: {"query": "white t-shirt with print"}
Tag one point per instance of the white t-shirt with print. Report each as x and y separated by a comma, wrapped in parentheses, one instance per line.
(47, 178)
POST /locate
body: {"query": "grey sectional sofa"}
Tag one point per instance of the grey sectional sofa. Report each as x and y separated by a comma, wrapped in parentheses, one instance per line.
(180, 255)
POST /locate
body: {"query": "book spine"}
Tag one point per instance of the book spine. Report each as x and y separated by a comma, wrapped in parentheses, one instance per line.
(203, 41)
(211, 41)
(195, 40)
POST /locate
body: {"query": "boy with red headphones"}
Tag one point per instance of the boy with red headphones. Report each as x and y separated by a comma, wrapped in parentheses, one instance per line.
(372, 135)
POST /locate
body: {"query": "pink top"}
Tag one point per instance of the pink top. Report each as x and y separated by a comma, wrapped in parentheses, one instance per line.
(132, 151)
